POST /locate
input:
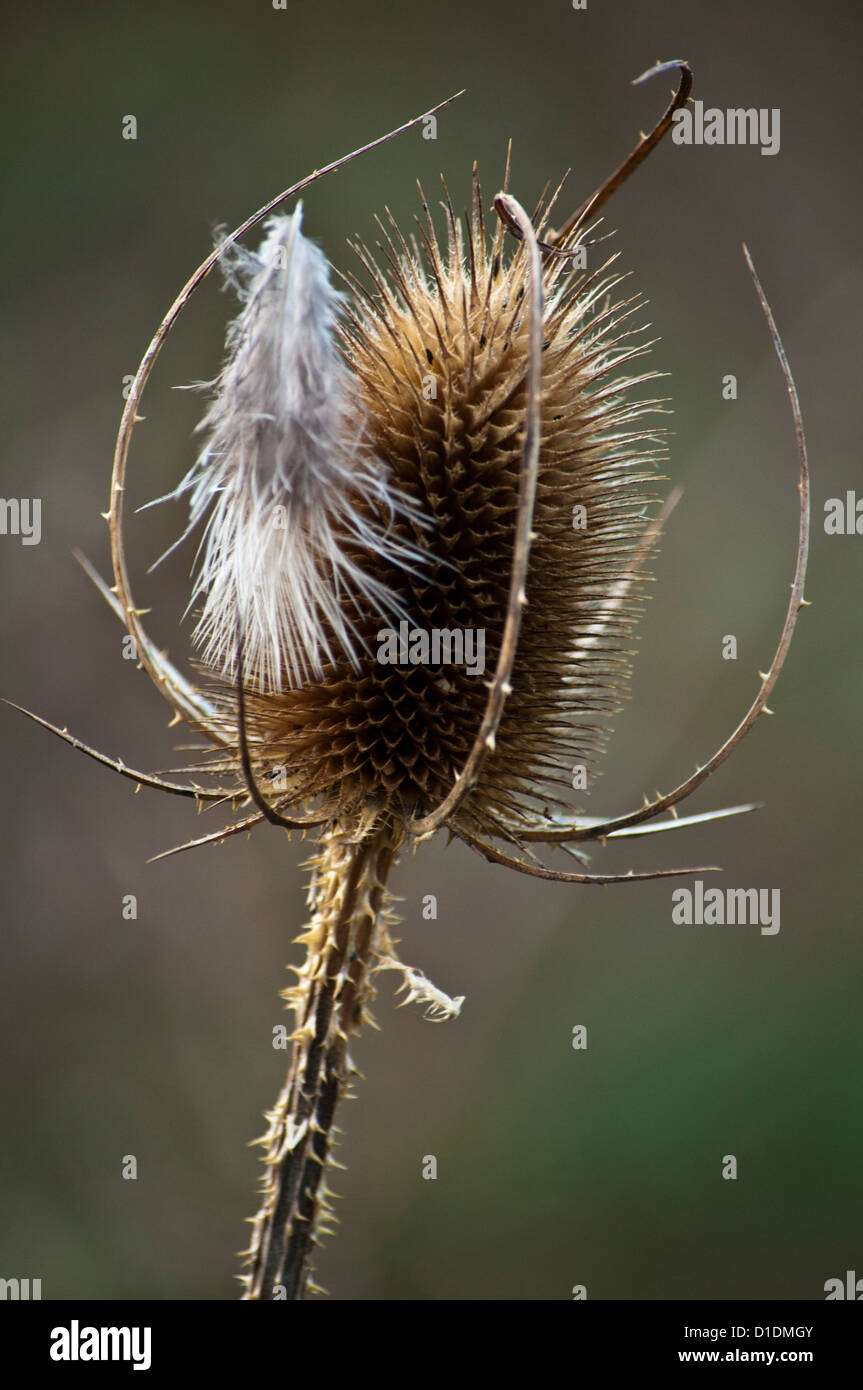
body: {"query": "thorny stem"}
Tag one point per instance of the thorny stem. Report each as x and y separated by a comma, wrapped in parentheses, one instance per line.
(347, 933)
(647, 143)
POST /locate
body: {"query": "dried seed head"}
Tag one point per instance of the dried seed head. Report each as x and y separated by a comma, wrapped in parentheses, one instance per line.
(439, 354)
(392, 741)
(522, 429)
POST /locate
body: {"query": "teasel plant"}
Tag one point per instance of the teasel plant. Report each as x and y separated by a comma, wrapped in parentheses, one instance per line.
(408, 452)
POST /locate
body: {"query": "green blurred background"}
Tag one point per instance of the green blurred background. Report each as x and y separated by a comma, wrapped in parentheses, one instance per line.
(153, 1037)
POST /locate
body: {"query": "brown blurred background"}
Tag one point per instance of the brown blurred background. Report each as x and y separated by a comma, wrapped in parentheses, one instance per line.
(153, 1037)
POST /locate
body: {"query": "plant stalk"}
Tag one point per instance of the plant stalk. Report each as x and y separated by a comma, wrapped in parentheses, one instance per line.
(348, 930)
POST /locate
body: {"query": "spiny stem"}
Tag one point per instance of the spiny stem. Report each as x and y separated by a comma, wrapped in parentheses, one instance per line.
(346, 934)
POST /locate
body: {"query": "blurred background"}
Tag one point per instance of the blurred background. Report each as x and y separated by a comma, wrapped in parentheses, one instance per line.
(152, 1037)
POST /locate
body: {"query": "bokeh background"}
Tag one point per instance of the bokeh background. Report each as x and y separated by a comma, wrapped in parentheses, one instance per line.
(153, 1037)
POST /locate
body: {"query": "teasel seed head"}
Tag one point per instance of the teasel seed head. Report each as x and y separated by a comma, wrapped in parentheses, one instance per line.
(481, 402)
(437, 351)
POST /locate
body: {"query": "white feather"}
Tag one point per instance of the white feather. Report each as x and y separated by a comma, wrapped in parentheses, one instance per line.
(283, 475)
